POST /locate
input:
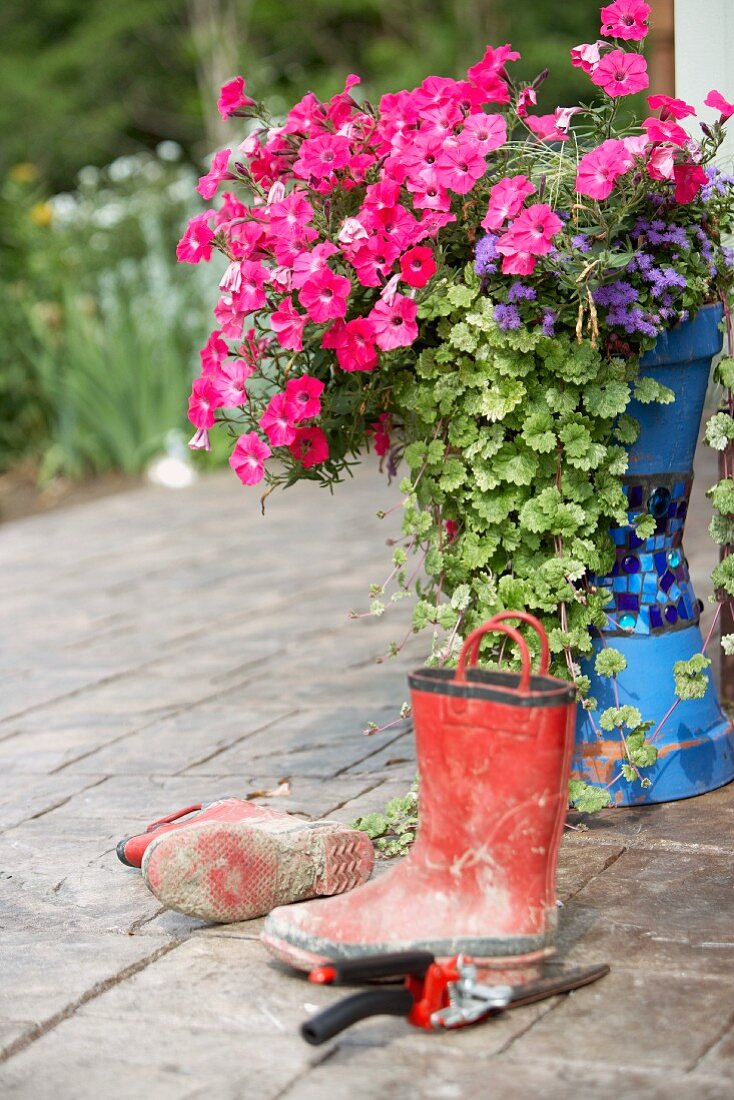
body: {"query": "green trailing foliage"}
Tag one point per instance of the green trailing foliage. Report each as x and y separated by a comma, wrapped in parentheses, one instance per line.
(691, 681)
(393, 830)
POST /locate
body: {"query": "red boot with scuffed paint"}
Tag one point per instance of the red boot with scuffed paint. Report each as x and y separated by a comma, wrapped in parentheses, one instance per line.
(131, 849)
(494, 751)
(234, 870)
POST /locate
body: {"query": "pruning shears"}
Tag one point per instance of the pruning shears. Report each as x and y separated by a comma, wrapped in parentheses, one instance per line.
(434, 995)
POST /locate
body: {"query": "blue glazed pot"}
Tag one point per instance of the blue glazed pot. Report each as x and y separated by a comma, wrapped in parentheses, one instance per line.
(653, 619)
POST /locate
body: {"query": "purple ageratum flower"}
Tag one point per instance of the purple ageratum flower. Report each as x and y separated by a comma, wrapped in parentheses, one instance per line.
(633, 321)
(548, 323)
(486, 256)
(663, 279)
(581, 242)
(518, 291)
(718, 182)
(615, 295)
(728, 254)
(507, 317)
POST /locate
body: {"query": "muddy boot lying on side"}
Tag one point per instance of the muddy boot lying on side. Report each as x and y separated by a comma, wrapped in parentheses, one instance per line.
(236, 870)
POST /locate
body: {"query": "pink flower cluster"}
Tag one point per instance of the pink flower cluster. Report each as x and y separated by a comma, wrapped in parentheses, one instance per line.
(349, 287)
(665, 150)
(352, 214)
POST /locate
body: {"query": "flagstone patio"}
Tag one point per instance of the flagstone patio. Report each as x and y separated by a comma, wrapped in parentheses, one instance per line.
(162, 648)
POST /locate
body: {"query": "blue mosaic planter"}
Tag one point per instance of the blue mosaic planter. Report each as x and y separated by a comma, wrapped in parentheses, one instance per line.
(653, 619)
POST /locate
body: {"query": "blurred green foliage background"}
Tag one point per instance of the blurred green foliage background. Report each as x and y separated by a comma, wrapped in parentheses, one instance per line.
(107, 112)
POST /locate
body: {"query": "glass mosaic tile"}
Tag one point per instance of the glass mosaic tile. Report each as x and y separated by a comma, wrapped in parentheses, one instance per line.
(649, 586)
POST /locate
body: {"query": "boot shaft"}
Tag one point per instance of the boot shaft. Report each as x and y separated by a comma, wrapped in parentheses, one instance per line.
(494, 765)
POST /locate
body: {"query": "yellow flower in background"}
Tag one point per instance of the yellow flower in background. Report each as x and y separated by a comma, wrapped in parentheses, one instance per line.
(23, 173)
(42, 214)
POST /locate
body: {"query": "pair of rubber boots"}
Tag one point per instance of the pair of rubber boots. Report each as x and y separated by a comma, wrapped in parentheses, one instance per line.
(494, 753)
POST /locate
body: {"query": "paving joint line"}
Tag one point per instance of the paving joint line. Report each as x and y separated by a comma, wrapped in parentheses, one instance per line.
(56, 805)
(39, 1030)
(367, 756)
(316, 1061)
(728, 1025)
(611, 860)
(238, 741)
(551, 1007)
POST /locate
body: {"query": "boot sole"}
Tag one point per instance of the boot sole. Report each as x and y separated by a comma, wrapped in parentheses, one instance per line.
(511, 967)
(234, 871)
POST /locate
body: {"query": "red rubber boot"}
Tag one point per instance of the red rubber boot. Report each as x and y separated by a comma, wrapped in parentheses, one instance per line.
(131, 849)
(494, 751)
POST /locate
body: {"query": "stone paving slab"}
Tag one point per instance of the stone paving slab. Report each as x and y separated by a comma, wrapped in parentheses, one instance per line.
(179, 647)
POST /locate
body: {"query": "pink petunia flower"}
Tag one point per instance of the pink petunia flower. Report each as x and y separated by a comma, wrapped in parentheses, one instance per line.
(417, 266)
(373, 260)
(251, 295)
(355, 346)
(518, 263)
(599, 169)
(288, 325)
(288, 216)
(304, 395)
(310, 447)
(716, 100)
(689, 178)
(532, 231)
(278, 420)
(230, 320)
(546, 128)
(351, 230)
(626, 19)
(324, 296)
(307, 264)
(319, 156)
(208, 184)
(230, 382)
(661, 163)
(196, 243)
(563, 116)
(232, 97)
(200, 440)
(380, 431)
(489, 132)
(489, 73)
(203, 401)
(506, 199)
(659, 131)
(460, 165)
(214, 351)
(636, 144)
(248, 458)
(620, 73)
(427, 192)
(393, 323)
(528, 97)
(669, 107)
(588, 55)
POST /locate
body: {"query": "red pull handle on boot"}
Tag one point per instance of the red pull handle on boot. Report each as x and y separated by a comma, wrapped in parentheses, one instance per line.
(475, 637)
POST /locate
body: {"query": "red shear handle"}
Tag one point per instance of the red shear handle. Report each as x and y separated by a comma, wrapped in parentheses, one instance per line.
(525, 617)
(470, 650)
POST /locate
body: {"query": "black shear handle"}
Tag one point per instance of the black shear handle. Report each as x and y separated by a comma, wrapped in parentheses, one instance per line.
(373, 1002)
(369, 968)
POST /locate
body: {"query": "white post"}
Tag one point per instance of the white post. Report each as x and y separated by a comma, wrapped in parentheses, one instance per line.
(704, 57)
